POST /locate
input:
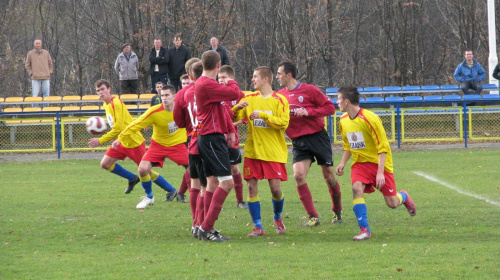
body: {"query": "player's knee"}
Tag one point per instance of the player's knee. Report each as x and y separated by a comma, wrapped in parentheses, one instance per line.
(143, 171)
(106, 165)
(299, 177)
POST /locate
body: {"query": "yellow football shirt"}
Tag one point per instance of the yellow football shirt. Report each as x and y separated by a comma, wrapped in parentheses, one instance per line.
(365, 137)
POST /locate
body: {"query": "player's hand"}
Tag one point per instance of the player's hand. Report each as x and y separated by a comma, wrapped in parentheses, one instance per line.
(254, 115)
(225, 81)
(94, 142)
(241, 105)
(115, 144)
(231, 139)
(380, 181)
(238, 122)
(301, 113)
(340, 169)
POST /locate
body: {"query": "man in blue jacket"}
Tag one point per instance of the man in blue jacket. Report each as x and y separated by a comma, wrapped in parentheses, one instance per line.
(158, 58)
(469, 74)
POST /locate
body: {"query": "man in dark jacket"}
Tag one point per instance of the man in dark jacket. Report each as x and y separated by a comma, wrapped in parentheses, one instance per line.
(177, 56)
(214, 45)
(158, 70)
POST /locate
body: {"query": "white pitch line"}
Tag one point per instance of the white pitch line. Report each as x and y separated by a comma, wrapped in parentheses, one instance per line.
(449, 186)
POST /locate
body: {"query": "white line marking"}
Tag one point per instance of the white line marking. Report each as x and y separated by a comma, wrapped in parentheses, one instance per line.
(449, 186)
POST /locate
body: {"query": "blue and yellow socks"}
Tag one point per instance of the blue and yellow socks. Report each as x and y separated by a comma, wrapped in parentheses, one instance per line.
(402, 197)
(161, 182)
(278, 206)
(117, 169)
(254, 209)
(147, 185)
(360, 211)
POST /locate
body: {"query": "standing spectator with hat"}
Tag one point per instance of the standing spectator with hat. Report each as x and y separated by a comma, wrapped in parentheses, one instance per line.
(127, 67)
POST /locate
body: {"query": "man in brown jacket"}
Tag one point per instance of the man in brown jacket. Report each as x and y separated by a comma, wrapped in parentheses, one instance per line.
(39, 66)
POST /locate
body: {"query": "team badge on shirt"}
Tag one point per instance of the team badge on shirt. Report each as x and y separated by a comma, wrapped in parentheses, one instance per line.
(301, 99)
(356, 140)
(172, 127)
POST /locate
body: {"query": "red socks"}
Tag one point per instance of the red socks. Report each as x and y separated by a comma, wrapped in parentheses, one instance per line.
(212, 215)
(193, 197)
(307, 201)
(238, 187)
(336, 197)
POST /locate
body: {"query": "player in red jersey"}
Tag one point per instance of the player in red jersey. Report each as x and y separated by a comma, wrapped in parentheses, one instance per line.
(181, 118)
(308, 107)
(212, 143)
(226, 73)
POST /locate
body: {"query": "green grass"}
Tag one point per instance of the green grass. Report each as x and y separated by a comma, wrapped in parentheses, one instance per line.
(68, 219)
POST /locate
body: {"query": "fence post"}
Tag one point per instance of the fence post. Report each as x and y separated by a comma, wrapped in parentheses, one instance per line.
(58, 135)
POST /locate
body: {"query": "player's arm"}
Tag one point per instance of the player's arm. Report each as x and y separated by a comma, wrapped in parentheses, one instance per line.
(345, 157)
(380, 171)
(238, 110)
(118, 121)
(179, 112)
(323, 106)
(219, 93)
(141, 122)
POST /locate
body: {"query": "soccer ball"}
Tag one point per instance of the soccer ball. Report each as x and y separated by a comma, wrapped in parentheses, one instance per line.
(96, 125)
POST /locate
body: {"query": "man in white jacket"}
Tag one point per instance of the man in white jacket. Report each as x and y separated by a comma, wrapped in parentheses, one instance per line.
(127, 67)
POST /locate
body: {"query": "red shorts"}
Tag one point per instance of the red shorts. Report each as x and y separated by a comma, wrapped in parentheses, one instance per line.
(134, 154)
(259, 169)
(366, 173)
(157, 154)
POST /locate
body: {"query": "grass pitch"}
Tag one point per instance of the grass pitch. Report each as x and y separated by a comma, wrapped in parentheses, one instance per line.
(68, 219)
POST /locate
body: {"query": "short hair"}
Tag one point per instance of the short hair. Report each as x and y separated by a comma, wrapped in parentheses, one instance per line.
(169, 87)
(228, 69)
(289, 67)
(157, 39)
(101, 82)
(210, 59)
(350, 93)
(178, 35)
(265, 72)
(184, 77)
(468, 51)
(190, 62)
(160, 83)
(196, 70)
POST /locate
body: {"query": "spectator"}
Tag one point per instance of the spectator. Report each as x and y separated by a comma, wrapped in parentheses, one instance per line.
(496, 71)
(39, 66)
(469, 74)
(157, 98)
(127, 66)
(224, 58)
(178, 56)
(158, 70)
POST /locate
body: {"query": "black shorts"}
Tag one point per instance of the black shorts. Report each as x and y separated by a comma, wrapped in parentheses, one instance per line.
(313, 146)
(234, 156)
(196, 169)
(215, 155)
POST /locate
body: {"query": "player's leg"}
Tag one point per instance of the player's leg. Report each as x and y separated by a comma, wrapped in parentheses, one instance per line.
(335, 193)
(235, 159)
(186, 181)
(360, 211)
(109, 163)
(300, 170)
(394, 199)
(144, 171)
(254, 207)
(278, 200)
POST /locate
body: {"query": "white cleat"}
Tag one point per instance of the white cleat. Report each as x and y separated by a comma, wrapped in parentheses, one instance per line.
(145, 202)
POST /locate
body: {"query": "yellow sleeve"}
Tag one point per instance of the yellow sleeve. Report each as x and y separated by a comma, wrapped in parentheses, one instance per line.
(281, 117)
(141, 122)
(116, 120)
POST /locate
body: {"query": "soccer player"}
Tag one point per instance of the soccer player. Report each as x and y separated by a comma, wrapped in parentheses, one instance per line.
(226, 73)
(212, 143)
(181, 118)
(167, 142)
(308, 107)
(118, 118)
(365, 139)
(266, 153)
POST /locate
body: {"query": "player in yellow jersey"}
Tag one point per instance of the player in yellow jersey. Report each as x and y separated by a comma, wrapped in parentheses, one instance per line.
(118, 118)
(167, 142)
(365, 139)
(266, 152)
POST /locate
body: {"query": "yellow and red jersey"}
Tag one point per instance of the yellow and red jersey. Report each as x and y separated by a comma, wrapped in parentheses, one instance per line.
(365, 137)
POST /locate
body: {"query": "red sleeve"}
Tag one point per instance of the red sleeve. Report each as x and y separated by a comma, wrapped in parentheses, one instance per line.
(324, 106)
(220, 92)
(179, 112)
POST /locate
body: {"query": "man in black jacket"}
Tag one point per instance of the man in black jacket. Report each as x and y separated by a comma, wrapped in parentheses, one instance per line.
(178, 56)
(224, 58)
(158, 70)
